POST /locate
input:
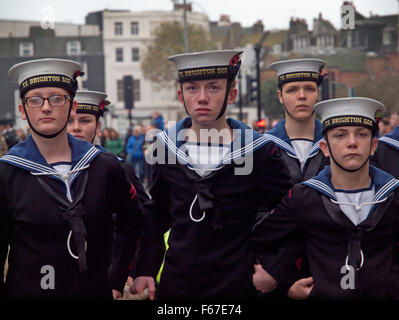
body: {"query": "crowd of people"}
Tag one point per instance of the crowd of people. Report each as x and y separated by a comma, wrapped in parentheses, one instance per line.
(207, 208)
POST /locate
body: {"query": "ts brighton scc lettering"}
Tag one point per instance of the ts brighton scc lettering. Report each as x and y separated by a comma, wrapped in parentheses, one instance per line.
(185, 311)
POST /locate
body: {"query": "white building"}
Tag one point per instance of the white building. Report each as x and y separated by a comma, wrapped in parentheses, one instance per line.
(126, 36)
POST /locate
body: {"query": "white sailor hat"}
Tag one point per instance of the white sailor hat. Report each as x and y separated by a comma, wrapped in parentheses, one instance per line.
(207, 65)
(46, 73)
(92, 102)
(353, 111)
(298, 70)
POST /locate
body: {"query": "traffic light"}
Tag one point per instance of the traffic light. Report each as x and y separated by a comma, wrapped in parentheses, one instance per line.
(252, 89)
(128, 95)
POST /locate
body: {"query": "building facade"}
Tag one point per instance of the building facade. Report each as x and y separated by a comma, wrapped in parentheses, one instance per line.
(27, 40)
(126, 37)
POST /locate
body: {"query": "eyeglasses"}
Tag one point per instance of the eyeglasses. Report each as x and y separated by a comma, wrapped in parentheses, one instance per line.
(54, 101)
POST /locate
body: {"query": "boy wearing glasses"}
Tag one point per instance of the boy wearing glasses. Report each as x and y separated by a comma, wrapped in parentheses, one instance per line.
(60, 228)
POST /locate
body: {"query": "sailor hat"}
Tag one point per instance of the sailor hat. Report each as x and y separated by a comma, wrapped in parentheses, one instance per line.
(207, 65)
(46, 73)
(92, 102)
(352, 111)
(298, 70)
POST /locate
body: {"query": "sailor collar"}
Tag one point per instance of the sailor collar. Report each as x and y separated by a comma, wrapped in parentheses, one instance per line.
(245, 141)
(383, 183)
(279, 136)
(25, 155)
(392, 138)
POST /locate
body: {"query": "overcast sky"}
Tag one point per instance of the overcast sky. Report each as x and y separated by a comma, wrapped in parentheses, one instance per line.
(273, 13)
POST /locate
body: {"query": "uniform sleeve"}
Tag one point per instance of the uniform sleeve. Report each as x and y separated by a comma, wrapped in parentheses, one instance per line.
(276, 242)
(157, 221)
(4, 236)
(128, 219)
(274, 178)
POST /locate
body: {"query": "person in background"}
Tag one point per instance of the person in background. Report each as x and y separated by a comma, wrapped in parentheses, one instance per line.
(114, 144)
(3, 144)
(157, 121)
(394, 119)
(134, 151)
(385, 126)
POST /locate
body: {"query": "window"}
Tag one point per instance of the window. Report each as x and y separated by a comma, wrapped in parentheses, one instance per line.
(119, 54)
(136, 90)
(73, 48)
(134, 27)
(26, 49)
(119, 88)
(135, 54)
(118, 28)
(386, 38)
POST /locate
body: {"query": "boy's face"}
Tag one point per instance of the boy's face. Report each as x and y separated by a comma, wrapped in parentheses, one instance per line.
(204, 99)
(83, 126)
(47, 119)
(299, 97)
(350, 145)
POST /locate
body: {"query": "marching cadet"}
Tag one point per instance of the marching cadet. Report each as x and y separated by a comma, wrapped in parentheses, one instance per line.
(85, 124)
(298, 137)
(299, 134)
(60, 227)
(206, 191)
(346, 216)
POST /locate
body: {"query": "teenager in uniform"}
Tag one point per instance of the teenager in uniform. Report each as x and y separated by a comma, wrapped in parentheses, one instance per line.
(57, 198)
(298, 137)
(85, 124)
(347, 216)
(206, 191)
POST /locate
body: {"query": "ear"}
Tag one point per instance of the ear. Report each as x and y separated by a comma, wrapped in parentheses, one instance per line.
(374, 145)
(22, 112)
(324, 148)
(280, 96)
(180, 94)
(98, 127)
(232, 95)
(74, 107)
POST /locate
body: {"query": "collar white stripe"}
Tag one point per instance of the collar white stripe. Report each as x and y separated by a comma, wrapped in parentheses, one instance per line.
(385, 188)
(86, 158)
(28, 164)
(169, 143)
(390, 141)
(280, 142)
(322, 186)
(249, 147)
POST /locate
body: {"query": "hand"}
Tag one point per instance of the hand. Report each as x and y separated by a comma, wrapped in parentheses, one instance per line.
(141, 283)
(116, 294)
(262, 280)
(129, 281)
(300, 290)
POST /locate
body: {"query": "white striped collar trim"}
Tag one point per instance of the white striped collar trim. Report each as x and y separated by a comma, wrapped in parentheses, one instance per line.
(246, 150)
(290, 150)
(39, 168)
(320, 186)
(392, 142)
